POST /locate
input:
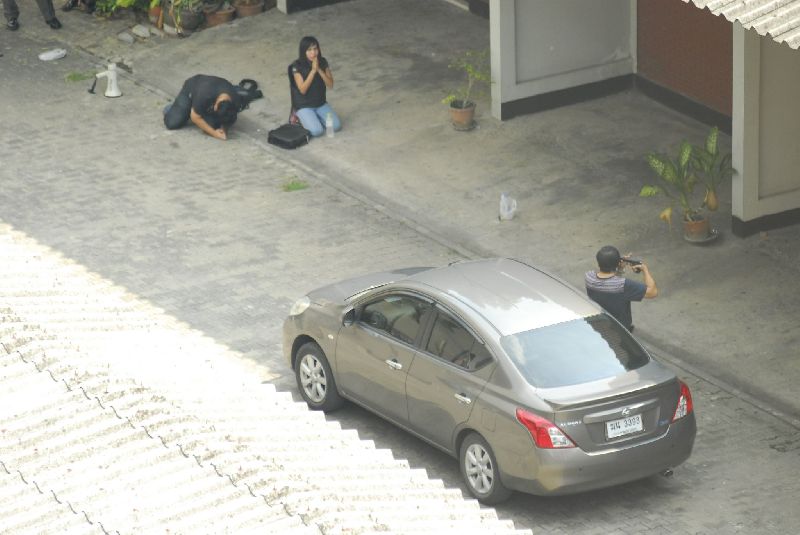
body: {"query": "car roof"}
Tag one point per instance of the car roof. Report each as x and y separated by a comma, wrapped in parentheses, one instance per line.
(511, 295)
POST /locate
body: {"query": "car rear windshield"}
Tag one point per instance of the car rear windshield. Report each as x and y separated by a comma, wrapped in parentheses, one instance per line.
(574, 352)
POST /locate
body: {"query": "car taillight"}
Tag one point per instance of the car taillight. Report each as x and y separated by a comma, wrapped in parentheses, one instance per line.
(544, 432)
(685, 406)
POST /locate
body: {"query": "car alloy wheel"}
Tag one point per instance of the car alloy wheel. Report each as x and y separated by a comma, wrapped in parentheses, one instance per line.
(315, 379)
(312, 378)
(480, 470)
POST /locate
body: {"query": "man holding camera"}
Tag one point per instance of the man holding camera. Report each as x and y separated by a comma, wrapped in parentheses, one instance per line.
(608, 288)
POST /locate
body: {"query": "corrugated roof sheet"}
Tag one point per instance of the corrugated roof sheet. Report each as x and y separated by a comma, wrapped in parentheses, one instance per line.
(778, 19)
(116, 418)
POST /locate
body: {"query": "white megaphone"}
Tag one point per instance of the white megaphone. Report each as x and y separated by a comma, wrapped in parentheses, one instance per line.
(112, 88)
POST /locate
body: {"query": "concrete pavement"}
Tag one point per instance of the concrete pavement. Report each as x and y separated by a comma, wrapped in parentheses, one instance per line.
(727, 309)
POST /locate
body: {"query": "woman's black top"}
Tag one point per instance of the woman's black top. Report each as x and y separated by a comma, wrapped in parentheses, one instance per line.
(315, 96)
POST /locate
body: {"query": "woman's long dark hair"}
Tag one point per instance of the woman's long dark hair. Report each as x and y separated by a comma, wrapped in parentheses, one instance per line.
(305, 43)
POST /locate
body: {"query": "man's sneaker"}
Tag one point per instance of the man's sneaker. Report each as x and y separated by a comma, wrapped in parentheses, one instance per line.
(12, 24)
(53, 23)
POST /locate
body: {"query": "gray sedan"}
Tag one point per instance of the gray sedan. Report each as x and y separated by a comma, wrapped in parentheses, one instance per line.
(532, 386)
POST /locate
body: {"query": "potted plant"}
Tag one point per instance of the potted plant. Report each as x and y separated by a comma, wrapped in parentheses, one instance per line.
(154, 13)
(680, 177)
(186, 15)
(247, 8)
(712, 168)
(218, 12)
(474, 64)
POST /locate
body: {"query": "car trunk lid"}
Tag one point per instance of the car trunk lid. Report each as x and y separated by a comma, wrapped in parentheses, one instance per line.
(618, 412)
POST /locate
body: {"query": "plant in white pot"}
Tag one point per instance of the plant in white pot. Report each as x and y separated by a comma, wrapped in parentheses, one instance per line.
(693, 170)
(475, 66)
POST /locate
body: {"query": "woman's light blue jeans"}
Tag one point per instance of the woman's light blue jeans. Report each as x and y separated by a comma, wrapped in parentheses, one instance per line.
(313, 119)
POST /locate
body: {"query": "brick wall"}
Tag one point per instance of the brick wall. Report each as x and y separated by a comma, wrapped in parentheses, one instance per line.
(686, 50)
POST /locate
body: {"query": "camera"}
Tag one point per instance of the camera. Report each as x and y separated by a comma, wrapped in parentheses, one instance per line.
(632, 261)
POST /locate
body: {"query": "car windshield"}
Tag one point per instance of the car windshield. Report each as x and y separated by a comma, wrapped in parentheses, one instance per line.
(574, 352)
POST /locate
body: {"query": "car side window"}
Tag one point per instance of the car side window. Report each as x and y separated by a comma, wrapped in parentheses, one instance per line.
(454, 343)
(399, 316)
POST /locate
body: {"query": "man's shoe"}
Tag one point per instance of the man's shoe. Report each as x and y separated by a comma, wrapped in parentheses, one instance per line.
(70, 5)
(12, 24)
(53, 23)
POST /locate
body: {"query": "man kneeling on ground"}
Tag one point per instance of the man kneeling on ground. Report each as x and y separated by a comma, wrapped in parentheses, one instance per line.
(211, 103)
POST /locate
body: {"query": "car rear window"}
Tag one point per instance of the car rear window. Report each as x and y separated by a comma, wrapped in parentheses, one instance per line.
(574, 352)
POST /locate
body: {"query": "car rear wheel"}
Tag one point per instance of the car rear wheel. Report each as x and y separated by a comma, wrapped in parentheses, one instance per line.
(480, 471)
(315, 379)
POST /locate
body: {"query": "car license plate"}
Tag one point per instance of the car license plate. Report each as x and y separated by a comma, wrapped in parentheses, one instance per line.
(624, 426)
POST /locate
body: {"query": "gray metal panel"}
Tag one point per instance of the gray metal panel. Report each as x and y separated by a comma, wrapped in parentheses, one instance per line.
(778, 19)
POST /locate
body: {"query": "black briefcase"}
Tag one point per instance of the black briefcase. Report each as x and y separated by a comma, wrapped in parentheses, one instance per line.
(289, 136)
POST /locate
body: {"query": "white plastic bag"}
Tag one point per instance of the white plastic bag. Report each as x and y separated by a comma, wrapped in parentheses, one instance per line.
(508, 205)
(50, 55)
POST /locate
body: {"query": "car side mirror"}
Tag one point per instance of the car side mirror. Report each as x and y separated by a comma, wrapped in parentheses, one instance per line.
(349, 317)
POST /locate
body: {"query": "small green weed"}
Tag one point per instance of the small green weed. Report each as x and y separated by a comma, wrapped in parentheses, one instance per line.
(295, 184)
(78, 76)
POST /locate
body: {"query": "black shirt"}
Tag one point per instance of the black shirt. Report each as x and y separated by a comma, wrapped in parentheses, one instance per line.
(315, 96)
(204, 90)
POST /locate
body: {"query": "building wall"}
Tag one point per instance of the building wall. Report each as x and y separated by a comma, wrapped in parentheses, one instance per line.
(779, 130)
(542, 47)
(766, 189)
(686, 50)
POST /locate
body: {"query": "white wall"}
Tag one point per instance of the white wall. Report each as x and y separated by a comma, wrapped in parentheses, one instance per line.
(766, 126)
(540, 46)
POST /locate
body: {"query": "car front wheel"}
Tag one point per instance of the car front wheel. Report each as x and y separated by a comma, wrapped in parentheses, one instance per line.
(315, 379)
(480, 471)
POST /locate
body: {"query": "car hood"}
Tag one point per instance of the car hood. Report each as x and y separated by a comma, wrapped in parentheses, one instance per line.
(341, 292)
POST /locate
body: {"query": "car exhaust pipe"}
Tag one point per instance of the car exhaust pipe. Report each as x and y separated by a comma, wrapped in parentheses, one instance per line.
(667, 472)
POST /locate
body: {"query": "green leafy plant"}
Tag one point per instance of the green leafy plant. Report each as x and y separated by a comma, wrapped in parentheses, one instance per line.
(294, 184)
(475, 66)
(107, 7)
(78, 76)
(680, 175)
(712, 168)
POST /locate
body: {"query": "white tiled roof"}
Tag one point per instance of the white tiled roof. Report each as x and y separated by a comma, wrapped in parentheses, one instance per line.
(116, 418)
(778, 19)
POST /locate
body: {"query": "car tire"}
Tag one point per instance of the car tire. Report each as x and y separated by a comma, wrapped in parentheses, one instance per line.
(480, 470)
(315, 379)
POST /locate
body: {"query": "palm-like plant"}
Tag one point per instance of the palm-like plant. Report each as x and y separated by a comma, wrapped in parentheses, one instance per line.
(693, 165)
(677, 182)
(712, 168)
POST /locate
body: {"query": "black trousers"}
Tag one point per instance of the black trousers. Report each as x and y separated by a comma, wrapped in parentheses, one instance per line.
(11, 10)
(176, 115)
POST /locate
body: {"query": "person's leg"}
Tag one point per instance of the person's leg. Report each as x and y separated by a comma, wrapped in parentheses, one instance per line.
(49, 13)
(11, 13)
(177, 114)
(310, 121)
(323, 111)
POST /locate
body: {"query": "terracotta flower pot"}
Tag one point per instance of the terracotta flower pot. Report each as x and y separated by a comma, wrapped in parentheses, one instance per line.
(219, 16)
(462, 115)
(154, 15)
(697, 230)
(248, 8)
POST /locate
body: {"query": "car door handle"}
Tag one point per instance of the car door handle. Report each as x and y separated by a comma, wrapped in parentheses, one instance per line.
(463, 399)
(394, 364)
